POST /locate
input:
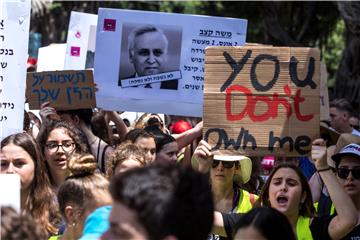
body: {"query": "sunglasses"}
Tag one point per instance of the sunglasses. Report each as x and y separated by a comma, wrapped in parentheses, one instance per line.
(343, 173)
(226, 164)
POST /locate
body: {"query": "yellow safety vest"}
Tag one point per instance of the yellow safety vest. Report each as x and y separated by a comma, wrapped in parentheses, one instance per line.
(332, 209)
(303, 231)
(246, 202)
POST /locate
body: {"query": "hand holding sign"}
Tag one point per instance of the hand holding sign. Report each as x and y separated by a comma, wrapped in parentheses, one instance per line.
(318, 154)
(202, 157)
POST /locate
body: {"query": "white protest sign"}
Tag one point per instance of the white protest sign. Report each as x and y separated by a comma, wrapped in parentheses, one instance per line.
(80, 45)
(10, 191)
(14, 38)
(154, 62)
(47, 60)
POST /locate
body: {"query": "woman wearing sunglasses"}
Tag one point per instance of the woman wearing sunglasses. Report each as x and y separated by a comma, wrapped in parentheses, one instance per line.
(347, 161)
(288, 191)
(58, 141)
(226, 173)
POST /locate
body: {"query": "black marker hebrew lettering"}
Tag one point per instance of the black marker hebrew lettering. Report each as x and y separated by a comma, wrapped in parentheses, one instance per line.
(198, 78)
(200, 60)
(3, 64)
(1, 78)
(7, 105)
(236, 67)
(6, 51)
(3, 118)
(191, 86)
(2, 37)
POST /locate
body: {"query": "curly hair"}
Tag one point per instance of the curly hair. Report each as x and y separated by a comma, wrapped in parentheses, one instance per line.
(81, 142)
(19, 226)
(123, 152)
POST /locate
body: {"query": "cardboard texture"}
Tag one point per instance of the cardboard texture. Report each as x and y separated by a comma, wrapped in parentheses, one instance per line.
(324, 94)
(64, 89)
(251, 102)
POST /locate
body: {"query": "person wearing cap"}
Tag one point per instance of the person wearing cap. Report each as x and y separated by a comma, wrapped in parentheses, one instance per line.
(347, 163)
(227, 172)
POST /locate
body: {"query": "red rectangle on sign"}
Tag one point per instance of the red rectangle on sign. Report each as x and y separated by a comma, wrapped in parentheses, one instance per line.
(109, 24)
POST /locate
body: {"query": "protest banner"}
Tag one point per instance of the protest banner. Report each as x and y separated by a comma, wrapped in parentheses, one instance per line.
(261, 100)
(324, 94)
(63, 89)
(14, 37)
(47, 61)
(10, 191)
(167, 75)
(80, 43)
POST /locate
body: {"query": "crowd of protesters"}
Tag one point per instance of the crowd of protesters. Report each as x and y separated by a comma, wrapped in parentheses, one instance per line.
(86, 174)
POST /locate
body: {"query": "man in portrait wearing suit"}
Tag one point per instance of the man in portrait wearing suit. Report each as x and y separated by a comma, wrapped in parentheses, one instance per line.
(148, 47)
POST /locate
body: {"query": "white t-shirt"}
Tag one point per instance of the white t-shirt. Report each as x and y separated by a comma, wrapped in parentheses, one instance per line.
(355, 132)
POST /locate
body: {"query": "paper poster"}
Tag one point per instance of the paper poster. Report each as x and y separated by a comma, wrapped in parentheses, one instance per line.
(10, 191)
(64, 90)
(47, 61)
(81, 38)
(14, 37)
(262, 101)
(154, 62)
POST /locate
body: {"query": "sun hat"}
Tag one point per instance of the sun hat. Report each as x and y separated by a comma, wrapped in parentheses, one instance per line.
(244, 173)
(348, 144)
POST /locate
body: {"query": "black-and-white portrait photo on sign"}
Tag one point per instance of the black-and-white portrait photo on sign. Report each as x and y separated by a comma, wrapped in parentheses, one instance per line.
(155, 61)
(150, 56)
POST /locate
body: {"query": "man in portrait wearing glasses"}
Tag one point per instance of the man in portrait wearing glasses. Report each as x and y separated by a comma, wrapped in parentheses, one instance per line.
(148, 48)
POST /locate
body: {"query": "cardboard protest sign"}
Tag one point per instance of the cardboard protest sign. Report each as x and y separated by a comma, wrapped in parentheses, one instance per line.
(14, 37)
(80, 44)
(64, 89)
(157, 59)
(10, 191)
(324, 94)
(261, 100)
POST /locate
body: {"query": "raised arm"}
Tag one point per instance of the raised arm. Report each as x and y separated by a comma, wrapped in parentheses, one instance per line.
(186, 138)
(202, 157)
(346, 218)
(121, 128)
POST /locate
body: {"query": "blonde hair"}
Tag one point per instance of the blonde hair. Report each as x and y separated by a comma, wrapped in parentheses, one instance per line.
(123, 152)
(83, 186)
